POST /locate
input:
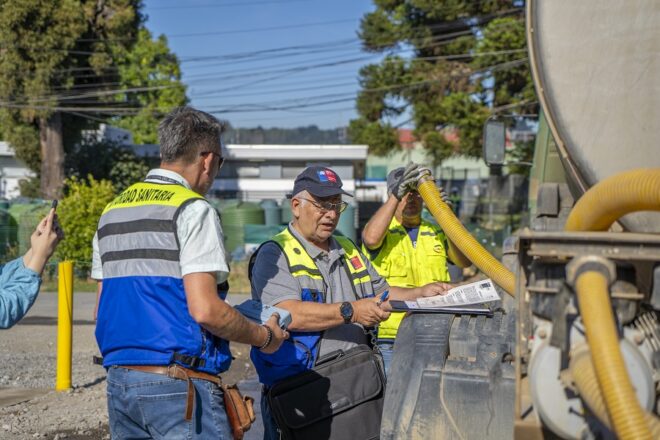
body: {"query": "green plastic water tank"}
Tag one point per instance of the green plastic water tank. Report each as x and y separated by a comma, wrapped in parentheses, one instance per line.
(16, 212)
(286, 211)
(347, 222)
(272, 212)
(27, 223)
(235, 216)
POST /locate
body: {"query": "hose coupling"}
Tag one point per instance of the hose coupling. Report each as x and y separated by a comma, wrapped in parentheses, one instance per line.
(425, 176)
(587, 263)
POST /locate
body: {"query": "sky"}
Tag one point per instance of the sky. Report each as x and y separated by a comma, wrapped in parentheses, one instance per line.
(274, 63)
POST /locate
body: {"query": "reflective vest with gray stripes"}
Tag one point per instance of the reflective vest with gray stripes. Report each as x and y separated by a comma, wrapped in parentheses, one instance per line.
(143, 316)
(300, 351)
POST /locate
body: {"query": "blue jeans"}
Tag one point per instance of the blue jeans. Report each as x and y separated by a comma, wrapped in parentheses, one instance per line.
(145, 405)
(271, 431)
(386, 347)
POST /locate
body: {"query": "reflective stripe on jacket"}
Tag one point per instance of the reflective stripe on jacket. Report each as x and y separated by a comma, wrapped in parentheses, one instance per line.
(143, 316)
(300, 351)
(403, 265)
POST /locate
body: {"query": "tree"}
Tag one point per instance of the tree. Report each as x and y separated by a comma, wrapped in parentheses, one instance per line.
(149, 65)
(105, 160)
(65, 65)
(49, 49)
(467, 58)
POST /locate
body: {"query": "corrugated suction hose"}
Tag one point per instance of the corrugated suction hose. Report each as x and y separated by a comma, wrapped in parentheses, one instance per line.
(596, 210)
(614, 197)
(457, 233)
(628, 418)
(584, 376)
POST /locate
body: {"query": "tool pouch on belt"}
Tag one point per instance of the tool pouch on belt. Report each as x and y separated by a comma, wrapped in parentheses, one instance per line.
(240, 410)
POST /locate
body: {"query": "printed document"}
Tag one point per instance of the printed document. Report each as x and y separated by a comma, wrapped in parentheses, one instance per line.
(474, 293)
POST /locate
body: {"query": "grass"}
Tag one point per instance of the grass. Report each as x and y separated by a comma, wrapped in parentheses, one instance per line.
(238, 281)
(79, 285)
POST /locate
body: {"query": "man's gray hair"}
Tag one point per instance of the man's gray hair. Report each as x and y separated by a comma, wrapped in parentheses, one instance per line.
(185, 132)
(302, 196)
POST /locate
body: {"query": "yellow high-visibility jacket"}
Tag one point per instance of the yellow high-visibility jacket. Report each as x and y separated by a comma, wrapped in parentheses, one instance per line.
(403, 265)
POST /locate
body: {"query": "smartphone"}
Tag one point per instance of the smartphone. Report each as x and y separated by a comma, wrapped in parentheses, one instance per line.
(258, 312)
(54, 204)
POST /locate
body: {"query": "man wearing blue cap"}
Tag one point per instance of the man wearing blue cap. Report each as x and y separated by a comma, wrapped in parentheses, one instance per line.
(331, 290)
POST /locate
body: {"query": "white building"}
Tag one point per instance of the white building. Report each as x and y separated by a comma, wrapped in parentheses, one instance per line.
(250, 172)
(12, 171)
(258, 172)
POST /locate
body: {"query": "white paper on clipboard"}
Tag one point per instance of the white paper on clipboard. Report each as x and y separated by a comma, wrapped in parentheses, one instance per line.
(474, 293)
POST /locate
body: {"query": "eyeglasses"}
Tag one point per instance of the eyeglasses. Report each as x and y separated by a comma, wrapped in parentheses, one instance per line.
(221, 159)
(327, 206)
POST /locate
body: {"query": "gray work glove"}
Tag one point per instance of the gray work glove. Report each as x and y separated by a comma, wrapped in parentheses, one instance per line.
(423, 171)
(401, 180)
(445, 198)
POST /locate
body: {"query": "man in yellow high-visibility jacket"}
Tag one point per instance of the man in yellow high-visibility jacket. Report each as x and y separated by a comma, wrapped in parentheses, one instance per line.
(404, 248)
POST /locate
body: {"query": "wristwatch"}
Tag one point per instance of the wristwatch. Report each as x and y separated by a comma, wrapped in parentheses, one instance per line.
(346, 310)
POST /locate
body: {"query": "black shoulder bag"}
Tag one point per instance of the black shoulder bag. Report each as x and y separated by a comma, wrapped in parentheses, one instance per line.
(341, 398)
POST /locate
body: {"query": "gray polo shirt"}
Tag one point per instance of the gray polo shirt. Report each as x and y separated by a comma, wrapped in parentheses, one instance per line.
(273, 283)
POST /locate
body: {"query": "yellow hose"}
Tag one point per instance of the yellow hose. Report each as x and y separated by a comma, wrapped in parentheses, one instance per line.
(584, 376)
(614, 197)
(457, 233)
(627, 416)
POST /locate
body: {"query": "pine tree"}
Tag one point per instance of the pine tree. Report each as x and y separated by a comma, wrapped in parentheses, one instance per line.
(466, 58)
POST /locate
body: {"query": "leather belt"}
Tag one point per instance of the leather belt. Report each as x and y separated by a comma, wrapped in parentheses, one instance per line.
(176, 371)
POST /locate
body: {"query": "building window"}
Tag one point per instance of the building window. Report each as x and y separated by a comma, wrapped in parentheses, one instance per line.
(290, 170)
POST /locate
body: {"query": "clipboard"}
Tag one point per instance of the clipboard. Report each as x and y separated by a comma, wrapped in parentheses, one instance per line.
(475, 309)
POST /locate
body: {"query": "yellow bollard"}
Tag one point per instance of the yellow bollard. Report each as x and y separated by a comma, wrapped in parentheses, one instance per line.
(64, 325)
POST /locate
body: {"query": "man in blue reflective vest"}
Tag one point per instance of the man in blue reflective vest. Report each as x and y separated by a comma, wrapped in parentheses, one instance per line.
(163, 326)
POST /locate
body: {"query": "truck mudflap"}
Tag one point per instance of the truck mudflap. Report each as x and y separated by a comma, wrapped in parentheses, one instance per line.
(451, 377)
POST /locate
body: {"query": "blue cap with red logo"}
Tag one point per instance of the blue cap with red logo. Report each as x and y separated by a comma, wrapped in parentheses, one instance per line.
(319, 182)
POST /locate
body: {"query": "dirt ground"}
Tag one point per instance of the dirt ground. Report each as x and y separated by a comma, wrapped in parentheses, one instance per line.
(29, 406)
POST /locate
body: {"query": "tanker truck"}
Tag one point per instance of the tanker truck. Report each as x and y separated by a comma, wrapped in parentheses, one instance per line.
(572, 350)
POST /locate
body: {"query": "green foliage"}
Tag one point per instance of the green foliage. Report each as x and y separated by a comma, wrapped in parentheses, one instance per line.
(30, 188)
(79, 212)
(466, 60)
(381, 138)
(149, 64)
(520, 158)
(49, 48)
(502, 37)
(127, 170)
(105, 161)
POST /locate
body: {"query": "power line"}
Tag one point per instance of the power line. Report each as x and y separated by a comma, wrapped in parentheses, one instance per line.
(279, 105)
(98, 94)
(227, 5)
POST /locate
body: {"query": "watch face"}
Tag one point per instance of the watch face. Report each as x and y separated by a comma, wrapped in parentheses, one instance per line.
(346, 311)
